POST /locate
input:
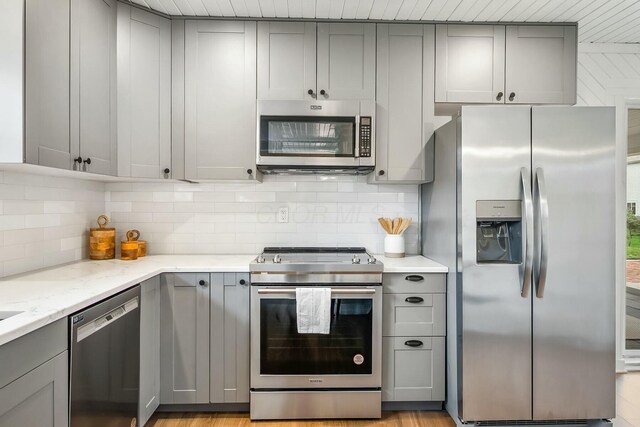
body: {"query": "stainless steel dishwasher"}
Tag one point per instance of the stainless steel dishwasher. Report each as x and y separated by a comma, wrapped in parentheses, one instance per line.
(105, 362)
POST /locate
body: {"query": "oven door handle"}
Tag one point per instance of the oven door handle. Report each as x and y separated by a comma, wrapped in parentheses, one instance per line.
(333, 291)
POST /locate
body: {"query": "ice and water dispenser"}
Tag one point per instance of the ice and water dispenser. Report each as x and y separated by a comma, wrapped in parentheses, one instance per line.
(499, 231)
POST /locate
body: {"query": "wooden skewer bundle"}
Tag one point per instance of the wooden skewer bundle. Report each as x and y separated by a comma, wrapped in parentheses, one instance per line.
(395, 225)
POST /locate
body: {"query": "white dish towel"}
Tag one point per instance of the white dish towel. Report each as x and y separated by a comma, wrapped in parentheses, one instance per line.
(313, 310)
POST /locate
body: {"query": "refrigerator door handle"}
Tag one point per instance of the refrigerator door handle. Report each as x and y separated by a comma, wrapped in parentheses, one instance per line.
(528, 243)
(543, 206)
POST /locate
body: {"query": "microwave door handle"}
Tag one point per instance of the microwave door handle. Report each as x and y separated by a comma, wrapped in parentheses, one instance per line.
(356, 154)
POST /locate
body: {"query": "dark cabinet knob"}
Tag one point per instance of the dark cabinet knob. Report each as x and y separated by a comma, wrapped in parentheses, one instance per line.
(414, 278)
(250, 171)
(512, 96)
(243, 282)
(414, 300)
(323, 92)
(380, 173)
(413, 343)
(166, 170)
(310, 91)
(202, 283)
(87, 161)
(77, 160)
(499, 96)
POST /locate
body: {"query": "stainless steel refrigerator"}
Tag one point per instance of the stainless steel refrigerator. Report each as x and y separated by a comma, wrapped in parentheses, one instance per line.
(521, 210)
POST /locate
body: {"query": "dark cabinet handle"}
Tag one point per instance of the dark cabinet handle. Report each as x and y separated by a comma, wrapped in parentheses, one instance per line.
(77, 160)
(310, 91)
(500, 95)
(414, 300)
(243, 282)
(250, 171)
(414, 278)
(166, 170)
(512, 96)
(202, 283)
(323, 92)
(380, 173)
(413, 343)
(87, 161)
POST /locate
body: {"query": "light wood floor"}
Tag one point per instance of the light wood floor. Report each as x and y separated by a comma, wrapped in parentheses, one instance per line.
(627, 409)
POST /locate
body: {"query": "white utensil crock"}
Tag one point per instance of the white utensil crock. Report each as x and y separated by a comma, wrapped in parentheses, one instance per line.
(394, 246)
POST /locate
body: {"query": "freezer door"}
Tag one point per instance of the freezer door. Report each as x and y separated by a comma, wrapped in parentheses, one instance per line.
(494, 361)
(574, 287)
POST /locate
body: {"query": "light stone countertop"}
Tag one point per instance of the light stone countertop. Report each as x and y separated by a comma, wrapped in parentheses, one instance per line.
(48, 295)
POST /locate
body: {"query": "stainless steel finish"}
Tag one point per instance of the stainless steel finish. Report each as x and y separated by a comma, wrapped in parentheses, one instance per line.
(543, 208)
(260, 259)
(278, 405)
(315, 278)
(105, 362)
(259, 381)
(277, 259)
(355, 260)
(574, 324)
(499, 209)
(329, 265)
(525, 179)
(371, 259)
(311, 164)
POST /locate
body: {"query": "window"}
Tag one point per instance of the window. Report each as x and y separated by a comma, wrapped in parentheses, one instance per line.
(631, 206)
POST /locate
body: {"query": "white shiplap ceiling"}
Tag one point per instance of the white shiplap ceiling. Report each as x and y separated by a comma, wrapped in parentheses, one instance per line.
(602, 21)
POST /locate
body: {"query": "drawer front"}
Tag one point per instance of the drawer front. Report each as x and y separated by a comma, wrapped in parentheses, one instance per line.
(413, 369)
(403, 283)
(413, 314)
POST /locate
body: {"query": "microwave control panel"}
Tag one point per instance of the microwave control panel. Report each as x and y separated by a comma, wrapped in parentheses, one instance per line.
(365, 136)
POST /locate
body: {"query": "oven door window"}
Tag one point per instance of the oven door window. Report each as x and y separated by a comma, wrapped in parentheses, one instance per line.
(345, 350)
(307, 136)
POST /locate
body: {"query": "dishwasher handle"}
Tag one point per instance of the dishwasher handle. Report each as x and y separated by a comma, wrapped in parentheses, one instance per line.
(107, 319)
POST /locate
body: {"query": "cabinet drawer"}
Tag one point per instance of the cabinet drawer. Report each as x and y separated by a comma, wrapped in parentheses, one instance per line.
(413, 369)
(413, 314)
(402, 283)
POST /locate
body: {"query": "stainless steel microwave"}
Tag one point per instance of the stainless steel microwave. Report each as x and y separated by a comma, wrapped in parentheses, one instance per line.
(333, 137)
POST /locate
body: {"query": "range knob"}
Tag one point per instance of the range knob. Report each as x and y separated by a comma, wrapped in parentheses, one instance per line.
(260, 259)
(371, 259)
(277, 259)
(355, 260)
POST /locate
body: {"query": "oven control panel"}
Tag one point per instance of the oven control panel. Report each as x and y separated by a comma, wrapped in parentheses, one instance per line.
(365, 136)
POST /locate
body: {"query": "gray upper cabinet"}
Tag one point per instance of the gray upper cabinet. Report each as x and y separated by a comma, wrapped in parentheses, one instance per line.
(220, 100)
(184, 338)
(93, 84)
(346, 61)
(513, 64)
(149, 349)
(229, 371)
(286, 60)
(540, 64)
(47, 83)
(144, 94)
(470, 63)
(404, 112)
(306, 61)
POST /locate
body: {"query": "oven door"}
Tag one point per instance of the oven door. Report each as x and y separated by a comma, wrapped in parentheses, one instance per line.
(348, 357)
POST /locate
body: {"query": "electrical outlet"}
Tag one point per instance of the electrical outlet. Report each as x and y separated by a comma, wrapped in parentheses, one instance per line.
(283, 214)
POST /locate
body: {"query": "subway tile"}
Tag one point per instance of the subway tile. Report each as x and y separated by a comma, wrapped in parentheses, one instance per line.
(255, 196)
(317, 186)
(210, 196)
(57, 206)
(149, 207)
(17, 207)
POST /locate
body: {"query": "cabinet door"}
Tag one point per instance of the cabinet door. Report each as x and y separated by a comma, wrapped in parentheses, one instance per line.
(47, 83)
(149, 349)
(286, 60)
(229, 338)
(93, 84)
(220, 100)
(346, 61)
(184, 338)
(404, 120)
(144, 93)
(38, 398)
(470, 63)
(541, 64)
(413, 369)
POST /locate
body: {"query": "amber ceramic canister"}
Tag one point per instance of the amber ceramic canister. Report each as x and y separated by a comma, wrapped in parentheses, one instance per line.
(102, 240)
(129, 248)
(134, 235)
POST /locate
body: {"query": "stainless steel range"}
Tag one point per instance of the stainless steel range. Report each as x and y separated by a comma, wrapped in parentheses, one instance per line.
(334, 375)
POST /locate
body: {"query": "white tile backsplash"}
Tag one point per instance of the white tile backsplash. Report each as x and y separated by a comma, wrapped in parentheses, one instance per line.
(44, 220)
(184, 218)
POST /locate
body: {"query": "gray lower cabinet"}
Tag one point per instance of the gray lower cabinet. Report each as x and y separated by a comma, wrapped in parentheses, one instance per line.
(184, 338)
(34, 378)
(229, 342)
(149, 349)
(413, 369)
(220, 100)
